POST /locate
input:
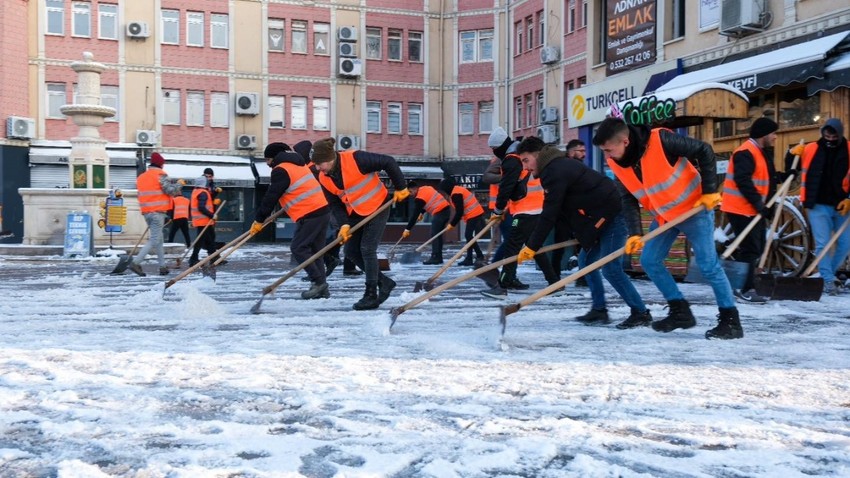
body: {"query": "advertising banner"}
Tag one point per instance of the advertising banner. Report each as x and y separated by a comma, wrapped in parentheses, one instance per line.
(630, 35)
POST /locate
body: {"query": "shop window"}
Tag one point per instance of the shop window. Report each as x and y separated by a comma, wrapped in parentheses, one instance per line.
(797, 108)
(232, 211)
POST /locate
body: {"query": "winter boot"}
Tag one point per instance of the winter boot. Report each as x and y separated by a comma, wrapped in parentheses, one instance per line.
(163, 271)
(595, 317)
(514, 284)
(679, 317)
(636, 319)
(728, 326)
(137, 269)
(331, 263)
(385, 286)
(433, 261)
(467, 262)
(370, 297)
(193, 261)
(317, 291)
(497, 292)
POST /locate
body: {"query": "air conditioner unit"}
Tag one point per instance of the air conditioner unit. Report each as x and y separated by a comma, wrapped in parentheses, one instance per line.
(350, 67)
(246, 141)
(549, 55)
(146, 137)
(548, 115)
(347, 49)
(20, 127)
(247, 103)
(138, 30)
(740, 17)
(347, 33)
(548, 133)
(347, 141)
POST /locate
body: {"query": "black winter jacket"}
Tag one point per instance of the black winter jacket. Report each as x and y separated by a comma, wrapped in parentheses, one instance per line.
(367, 163)
(279, 183)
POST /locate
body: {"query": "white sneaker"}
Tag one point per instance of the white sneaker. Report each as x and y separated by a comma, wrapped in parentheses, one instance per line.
(750, 296)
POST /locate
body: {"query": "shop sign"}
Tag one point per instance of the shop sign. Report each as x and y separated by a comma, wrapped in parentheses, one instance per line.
(650, 110)
(630, 35)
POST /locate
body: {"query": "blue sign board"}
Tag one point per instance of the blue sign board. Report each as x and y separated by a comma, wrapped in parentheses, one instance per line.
(78, 235)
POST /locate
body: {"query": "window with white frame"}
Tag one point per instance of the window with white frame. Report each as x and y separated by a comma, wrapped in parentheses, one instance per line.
(219, 30)
(107, 21)
(467, 46)
(529, 111)
(394, 45)
(485, 45)
(584, 13)
(541, 28)
(485, 116)
(220, 110)
(414, 119)
(276, 111)
(55, 17)
(476, 46)
(517, 113)
(109, 97)
(299, 112)
(373, 116)
(195, 28)
(56, 98)
(195, 108)
(529, 26)
(466, 118)
(276, 35)
(540, 103)
(571, 17)
(321, 114)
(81, 19)
(394, 118)
(171, 27)
(321, 39)
(299, 39)
(518, 28)
(414, 46)
(373, 43)
(171, 107)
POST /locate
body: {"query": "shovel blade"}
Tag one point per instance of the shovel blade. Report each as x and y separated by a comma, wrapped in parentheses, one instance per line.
(764, 284)
(123, 262)
(504, 312)
(383, 264)
(418, 286)
(427, 286)
(208, 271)
(411, 257)
(491, 278)
(394, 313)
(806, 289)
(256, 308)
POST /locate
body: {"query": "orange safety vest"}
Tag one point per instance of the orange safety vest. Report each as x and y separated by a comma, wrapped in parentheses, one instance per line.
(181, 207)
(733, 201)
(151, 196)
(666, 191)
(304, 194)
(808, 156)
(200, 219)
(532, 203)
(471, 207)
(362, 193)
(434, 201)
(494, 194)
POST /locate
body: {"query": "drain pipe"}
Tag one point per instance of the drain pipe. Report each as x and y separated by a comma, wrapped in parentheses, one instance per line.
(509, 35)
(440, 102)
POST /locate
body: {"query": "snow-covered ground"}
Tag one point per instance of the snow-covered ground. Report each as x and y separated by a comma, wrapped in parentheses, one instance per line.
(103, 375)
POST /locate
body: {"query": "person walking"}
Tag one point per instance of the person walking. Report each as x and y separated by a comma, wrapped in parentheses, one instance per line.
(498, 142)
(429, 200)
(353, 176)
(180, 218)
(750, 181)
(655, 166)
(590, 204)
(155, 192)
(468, 209)
(203, 214)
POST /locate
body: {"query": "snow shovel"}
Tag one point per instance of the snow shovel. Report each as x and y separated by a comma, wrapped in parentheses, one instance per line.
(429, 284)
(507, 310)
(192, 246)
(492, 245)
(271, 288)
(391, 253)
(125, 259)
(395, 312)
(416, 255)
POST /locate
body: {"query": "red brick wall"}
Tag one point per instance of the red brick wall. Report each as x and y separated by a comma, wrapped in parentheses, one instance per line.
(467, 5)
(184, 136)
(476, 143)
(396, 71)
(299, 64)
(13, 69)
(395, 144)
(289, 89)
(481, 70)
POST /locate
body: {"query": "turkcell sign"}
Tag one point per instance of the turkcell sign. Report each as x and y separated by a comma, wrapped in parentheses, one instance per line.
(588, 105)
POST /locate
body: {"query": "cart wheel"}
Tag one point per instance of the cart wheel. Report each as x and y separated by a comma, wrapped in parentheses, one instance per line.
(790, 249)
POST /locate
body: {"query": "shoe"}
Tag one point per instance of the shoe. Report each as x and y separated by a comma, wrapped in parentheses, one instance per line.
(750, 296)
(370, 298)
(559, 291)
(385, 287)
(331, 263)
(728, 326)
(572, 263)
(679, 317)
(836, 289)
(497, 292)
(163, 271)
(514, 284)
(317, 291)
(636, 319)
(352, 272)
(433, 261)
(137, 269)
(467, 262)
(193, 261)
(595, 317)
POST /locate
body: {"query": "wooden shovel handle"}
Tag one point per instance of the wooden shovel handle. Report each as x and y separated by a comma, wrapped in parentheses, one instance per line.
(198, 237)
(758, 217)
(429, 241)
(460, 252)
(133, 253)
(827, 247)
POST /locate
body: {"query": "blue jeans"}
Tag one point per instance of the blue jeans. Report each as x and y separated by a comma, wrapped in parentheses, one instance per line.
(611, 238)
(825, 220)
(699, 230)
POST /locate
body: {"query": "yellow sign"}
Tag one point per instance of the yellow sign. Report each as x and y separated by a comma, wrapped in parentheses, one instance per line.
(116, 216)
(577, 107)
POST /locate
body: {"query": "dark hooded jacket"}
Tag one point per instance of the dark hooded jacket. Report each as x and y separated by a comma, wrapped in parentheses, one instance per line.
(367, 163)
(279, 183)
(825, 176)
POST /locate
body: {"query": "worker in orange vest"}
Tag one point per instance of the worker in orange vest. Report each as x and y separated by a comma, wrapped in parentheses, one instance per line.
(155, 193)
(179, 218)
(203, 213)
(428, 199)
(468, 208)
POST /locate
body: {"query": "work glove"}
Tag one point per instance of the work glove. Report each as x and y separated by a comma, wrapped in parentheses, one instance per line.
(344, 233)
(634, 244)
(218, 190)
(525, 254)
(449, 227)
(421, 218)
(798, 150)
(181, 182)
(216, 201)
(405, 234)
(401, 195)
(710, 201)
(843, 207)
(497, 215)
(256, 227)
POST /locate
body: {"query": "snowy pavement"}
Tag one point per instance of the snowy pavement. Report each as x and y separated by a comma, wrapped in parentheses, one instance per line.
(104, 376)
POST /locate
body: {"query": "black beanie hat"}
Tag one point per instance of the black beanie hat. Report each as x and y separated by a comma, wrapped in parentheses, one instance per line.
(273, 149)
(303, 148)
(762, 127)
(446, 185)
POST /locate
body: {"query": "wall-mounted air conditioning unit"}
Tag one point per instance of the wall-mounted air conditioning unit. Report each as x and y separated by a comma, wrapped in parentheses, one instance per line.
(347, 49)
(246, 141)
(548, 133)
(350, 67)
(247, 103)
(347, 33)
(146, 137)
(138, 30)
(549, 55)
(347, 141)
(740, 17)
(20, 127)
(548, 115)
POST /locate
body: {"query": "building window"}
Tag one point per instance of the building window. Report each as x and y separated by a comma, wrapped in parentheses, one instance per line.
(321, 114)
(56, 98)
(171, 107)
(321, 34)
(373, 116)
(107, 21)
(540, 103)
(219, 30)
(414, 46)
(55, 17)
(81, 19)
(373, 43)
(517, 113)
(582, 81)
(476, 46)
(394, 118)
(195, 108)
(276, 35)
(299, 39)
(675, 23)
(571, 17)
(541, 23)
(584, 13)
(529, 26)
(299, 112)
(394, 45)
(465, 118)
(485, 45)
(220, 110)
(529, 111)
(467, 47)
(518, 42)
(171, 27)
(276, 112)
(414, 119)
(109, 97)
(195, 28)
(485, 116)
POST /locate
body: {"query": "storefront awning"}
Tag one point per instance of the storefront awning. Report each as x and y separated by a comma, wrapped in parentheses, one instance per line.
(837, 75)
(234, 171)
(686, 105)
(784, 66)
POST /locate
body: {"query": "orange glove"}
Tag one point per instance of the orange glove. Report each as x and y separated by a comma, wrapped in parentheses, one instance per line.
(710, 201)
(405, 234)
(216, 201)
(344, 233)
(421, 218)
(843, 207)
(634, 244)
(401, 195)
(497, 215)
(798, 150)
(525, 254)
(256, 227)
(181, 182)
